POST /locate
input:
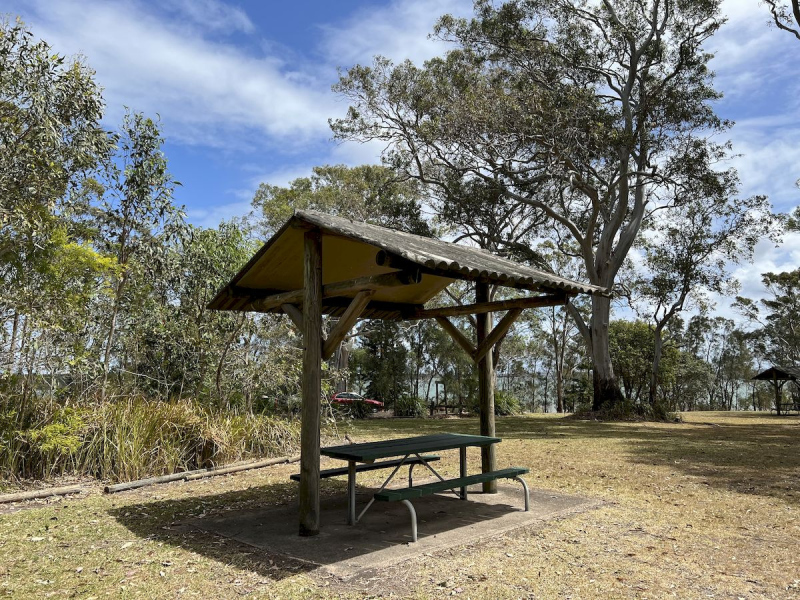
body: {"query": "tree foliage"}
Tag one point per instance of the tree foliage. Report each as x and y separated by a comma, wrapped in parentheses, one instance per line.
(50, 134)
(777, 317)
(586, 113)
(370, 193)
(785, 15)
(688, 256)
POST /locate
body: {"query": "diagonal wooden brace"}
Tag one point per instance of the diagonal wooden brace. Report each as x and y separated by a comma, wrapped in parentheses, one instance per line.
(456, 334)
(496, 334)
(346, 322)
(295, 314)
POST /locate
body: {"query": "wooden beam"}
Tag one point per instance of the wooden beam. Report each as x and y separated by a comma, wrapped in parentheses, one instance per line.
(371, 282)
(339, 288)
(778, 393)
(312, 383)
(456, 334)
(393, 261)
(295, 314)
(498, 332)
(274, 301)
(484, 307)
(346, 322)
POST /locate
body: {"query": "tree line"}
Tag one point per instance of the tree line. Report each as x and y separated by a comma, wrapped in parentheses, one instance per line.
(568, 137)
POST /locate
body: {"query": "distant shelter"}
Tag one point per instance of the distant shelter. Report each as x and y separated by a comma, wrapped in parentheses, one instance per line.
(779, 376)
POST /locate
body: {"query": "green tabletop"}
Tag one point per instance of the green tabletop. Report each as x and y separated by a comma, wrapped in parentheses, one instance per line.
(371, 451)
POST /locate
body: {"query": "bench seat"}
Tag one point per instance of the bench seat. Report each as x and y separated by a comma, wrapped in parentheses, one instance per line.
(405, 495)
(426, 489)
(384, 464)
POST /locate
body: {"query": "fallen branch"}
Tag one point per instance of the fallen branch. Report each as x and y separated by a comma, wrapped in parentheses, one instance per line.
(198, 474)
(44, 493)
(131, 485)
(236, 468)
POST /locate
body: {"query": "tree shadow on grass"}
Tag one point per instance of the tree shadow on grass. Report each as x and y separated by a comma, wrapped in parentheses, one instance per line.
(255, 530)
(737, 453)
(731, 451)
(167, 521)
(748, 458)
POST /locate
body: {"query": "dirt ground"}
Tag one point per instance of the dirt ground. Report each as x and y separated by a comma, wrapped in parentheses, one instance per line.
(707, 508)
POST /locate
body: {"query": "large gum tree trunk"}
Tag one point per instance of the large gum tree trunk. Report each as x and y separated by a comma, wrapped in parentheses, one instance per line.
(606, 389)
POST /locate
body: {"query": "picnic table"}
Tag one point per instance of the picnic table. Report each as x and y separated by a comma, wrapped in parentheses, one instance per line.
(413, 451)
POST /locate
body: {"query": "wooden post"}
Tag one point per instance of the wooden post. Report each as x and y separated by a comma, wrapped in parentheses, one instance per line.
(486, 388)
(312, 384)
(778, 394)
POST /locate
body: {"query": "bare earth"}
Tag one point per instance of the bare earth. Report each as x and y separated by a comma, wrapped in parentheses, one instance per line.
(703, 509)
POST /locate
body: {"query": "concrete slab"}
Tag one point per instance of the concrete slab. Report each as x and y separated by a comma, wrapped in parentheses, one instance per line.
(383, 536)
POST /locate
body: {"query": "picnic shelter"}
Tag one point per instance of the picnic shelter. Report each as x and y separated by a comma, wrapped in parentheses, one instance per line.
(319, 264)
(779, 376)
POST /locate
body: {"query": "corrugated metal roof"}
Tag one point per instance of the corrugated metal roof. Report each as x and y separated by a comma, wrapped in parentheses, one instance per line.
(781, 374)
(350, 249)
(452, 259)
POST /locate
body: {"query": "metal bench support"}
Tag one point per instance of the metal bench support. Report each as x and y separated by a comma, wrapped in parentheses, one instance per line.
(413, 519)
(525, 489)
(351, 493)
(403, 495)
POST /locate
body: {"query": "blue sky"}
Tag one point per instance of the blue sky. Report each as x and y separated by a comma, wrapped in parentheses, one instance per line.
(243, 88)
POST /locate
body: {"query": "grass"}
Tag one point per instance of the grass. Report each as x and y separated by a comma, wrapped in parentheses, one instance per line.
(136, 438)
(705, 508)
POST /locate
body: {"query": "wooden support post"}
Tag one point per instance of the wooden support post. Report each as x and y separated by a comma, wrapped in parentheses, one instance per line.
(486, 388)
(778, 394)
(312, 384)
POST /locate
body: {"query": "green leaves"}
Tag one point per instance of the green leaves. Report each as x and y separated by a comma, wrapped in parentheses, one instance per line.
(561, 120)
(50, 133)
(368, 193)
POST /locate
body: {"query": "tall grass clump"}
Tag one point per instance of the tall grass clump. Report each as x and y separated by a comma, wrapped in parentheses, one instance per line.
(134, 438)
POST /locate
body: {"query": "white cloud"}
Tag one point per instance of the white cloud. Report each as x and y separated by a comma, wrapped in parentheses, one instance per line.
(355, 153)
(211, 216)
(769, 162)
(280, 177)
(208, 93)
(768, 259)
(398, 31)
(212, 15)
(753, 59)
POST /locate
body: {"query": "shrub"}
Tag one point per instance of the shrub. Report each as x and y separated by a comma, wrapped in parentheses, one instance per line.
(505, 403)
(352, 410)
(409, 406)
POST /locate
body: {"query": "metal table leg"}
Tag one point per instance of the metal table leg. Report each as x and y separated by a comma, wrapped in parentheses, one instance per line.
(462, 455)
(351, 492)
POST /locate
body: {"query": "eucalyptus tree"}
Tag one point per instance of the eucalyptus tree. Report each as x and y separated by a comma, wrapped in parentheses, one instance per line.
(785, 15)
(688, 254)
(50, 137)
(370, 193)
(581, 111)
(136, 219)
(778, 317)
(182, 346)
(50, 133)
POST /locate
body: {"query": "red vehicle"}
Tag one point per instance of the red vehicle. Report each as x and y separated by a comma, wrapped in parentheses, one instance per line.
(352, 398)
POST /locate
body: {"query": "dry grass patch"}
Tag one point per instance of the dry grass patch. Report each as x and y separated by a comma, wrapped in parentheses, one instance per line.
(705, 508)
